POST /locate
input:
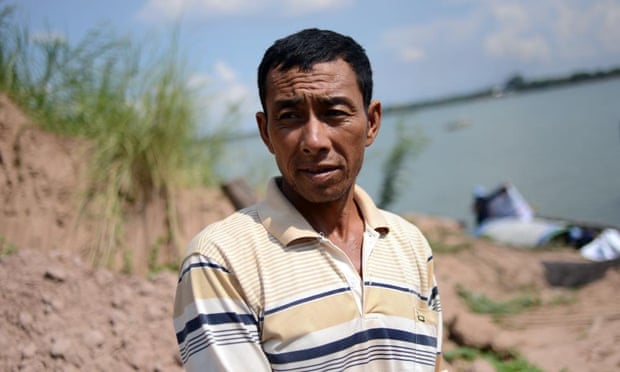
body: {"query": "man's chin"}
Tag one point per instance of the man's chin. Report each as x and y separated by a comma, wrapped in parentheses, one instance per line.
(316, 192)
(324, 195)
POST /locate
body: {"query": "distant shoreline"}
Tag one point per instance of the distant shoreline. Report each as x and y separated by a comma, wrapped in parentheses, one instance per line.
(515, 84)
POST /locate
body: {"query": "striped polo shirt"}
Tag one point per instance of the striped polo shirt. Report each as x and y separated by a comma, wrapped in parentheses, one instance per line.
(261, 290)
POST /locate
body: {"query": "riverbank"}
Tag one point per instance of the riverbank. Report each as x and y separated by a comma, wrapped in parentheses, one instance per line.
(61, 313)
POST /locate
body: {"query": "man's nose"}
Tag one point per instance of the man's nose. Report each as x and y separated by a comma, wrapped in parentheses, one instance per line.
(315, 137)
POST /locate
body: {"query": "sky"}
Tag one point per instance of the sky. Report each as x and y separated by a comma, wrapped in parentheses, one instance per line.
(419, 49)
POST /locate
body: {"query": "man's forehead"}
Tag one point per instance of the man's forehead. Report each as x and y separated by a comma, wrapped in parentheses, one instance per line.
(324, 76)
(305, 67)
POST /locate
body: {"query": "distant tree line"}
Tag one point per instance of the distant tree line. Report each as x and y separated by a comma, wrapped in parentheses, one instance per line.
(514, 84)
(517, 83)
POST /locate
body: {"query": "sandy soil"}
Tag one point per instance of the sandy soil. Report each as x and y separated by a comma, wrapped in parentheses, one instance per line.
(59, 313)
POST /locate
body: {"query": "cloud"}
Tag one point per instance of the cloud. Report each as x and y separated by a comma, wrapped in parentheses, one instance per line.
(424, 41)
(231, 90)
(412, 54)
(519, 31)
(225, 72)
(536, 30)
(170, 10)
(304, 7)
(222, 90)
(596, 25)
(609, 27)
(510, 45)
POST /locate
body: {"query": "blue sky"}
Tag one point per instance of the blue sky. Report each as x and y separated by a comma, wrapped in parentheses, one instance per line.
(418, 49)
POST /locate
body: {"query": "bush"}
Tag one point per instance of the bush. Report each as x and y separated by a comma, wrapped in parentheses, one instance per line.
(136, 109)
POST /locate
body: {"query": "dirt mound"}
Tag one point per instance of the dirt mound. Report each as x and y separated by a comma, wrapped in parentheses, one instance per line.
(558, 329)
(57, 312)
(40, 176)
(43, 179)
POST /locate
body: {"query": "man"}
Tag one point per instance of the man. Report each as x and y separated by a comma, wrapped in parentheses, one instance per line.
(314, 277)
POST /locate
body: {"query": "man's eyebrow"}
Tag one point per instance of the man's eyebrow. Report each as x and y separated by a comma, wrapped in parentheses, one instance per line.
(338, 100)
(288, 103)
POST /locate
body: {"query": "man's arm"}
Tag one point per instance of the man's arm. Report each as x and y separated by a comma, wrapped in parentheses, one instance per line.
(439, 364)
(215, 329)
(435, 305)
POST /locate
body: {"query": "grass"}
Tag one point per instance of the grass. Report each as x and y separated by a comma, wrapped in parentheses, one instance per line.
(406, 147)
(441, 247)
(136, 108)
(481, 304)
(7, 248)
(502, 363)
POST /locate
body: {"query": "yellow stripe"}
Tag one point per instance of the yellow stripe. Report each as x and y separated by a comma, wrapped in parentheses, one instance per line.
(299, 321)
(203, 284)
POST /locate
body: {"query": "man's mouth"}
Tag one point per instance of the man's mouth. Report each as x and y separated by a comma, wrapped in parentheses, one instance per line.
(318, 170)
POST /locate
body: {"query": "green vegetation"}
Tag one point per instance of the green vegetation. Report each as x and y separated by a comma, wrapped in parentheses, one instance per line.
(442, 247)
(6, 247)
(406, 146)
(502, 363)
(563, 299)
(135, 108)
(154, 265)
(481, 304)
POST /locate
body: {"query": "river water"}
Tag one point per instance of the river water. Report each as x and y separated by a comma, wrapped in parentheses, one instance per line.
(560, 147)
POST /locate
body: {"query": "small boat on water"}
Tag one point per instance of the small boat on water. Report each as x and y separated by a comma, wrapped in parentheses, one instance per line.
(455, 125)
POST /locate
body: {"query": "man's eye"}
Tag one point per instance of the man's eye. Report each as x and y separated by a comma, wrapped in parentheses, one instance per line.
(288, 115)
(335, 113)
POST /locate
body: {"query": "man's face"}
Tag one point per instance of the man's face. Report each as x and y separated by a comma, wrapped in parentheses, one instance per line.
(317, 128)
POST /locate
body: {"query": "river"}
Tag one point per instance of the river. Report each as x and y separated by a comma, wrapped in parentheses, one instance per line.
(560, 147)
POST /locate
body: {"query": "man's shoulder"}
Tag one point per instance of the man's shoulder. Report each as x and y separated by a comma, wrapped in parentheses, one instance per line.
(399, 223)
(405, 232)
(228, 230)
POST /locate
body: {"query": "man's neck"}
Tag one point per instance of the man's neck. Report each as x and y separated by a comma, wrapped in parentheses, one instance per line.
(341, 221)
(339, 217)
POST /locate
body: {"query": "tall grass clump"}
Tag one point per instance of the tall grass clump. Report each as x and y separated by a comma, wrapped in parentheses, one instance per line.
(136, 108)
(53, 81)
(406, 147)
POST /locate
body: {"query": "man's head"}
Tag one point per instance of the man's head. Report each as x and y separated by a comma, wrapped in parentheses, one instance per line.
(308, 47)
(318, 118)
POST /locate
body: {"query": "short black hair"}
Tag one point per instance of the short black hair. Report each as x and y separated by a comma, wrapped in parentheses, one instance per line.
(308, 47)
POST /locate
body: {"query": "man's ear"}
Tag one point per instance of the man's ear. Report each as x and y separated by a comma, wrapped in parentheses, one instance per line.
(374, 122)
(261, 121)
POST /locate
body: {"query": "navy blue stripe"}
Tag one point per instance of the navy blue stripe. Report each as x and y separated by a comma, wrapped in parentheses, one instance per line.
(196, 346)
(213, 319)
(365, 360)
(345, 343)
(395, 287)
(306, 299)
(434, 294)
(369, 354)
(202, 264)
(203, 341)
